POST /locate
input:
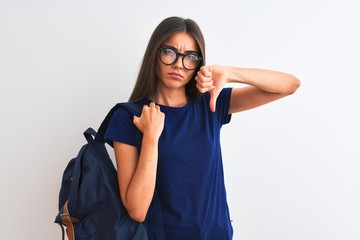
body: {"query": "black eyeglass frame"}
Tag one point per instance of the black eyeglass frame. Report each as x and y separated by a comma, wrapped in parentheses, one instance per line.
(183, 55)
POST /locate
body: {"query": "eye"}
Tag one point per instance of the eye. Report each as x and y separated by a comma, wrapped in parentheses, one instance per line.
(168, 51)
(192, 57)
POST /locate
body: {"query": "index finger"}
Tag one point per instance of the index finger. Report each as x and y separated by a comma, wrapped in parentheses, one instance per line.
(205, 71)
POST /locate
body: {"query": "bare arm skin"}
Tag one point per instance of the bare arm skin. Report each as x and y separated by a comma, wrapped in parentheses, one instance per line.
(137, 172)
(264, 86)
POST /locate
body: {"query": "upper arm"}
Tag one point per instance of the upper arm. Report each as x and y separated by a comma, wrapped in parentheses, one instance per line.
(249, 97)
(126, 161)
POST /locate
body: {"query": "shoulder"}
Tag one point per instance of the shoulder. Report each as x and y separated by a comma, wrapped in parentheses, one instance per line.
(121, 127)
(122, 113)
(127, 110)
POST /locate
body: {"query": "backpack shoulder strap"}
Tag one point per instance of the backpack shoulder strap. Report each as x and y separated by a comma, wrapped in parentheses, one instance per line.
(133, 107)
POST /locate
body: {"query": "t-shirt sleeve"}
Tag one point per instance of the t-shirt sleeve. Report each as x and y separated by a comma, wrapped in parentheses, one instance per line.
(121, 128)
(223, 106)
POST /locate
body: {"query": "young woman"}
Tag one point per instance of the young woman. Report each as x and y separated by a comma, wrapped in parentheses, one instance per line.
(184, 106)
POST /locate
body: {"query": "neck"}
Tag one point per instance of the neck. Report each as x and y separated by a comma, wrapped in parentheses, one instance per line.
(170, 98)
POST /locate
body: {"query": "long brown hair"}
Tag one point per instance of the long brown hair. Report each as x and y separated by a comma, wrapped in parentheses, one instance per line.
(146, 82)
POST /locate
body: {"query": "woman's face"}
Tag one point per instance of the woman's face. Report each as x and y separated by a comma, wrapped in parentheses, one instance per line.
(175, 75)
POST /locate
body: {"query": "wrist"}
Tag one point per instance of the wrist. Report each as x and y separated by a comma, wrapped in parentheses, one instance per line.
(150, 138)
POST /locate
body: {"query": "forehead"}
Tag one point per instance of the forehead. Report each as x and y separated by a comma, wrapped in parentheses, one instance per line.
(182, 41)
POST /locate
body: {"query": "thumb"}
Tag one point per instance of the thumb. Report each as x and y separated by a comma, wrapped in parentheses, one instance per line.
(136, 121)
(213, 97)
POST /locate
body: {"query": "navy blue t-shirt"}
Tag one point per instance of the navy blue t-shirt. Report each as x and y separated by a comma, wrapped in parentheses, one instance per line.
(190, 179)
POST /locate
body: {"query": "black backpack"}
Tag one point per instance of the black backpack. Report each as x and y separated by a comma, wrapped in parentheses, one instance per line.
(89, 200)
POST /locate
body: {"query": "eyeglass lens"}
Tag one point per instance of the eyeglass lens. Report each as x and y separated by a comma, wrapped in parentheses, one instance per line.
(168, 56)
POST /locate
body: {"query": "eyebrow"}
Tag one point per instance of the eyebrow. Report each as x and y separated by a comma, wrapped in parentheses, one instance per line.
(174, 48)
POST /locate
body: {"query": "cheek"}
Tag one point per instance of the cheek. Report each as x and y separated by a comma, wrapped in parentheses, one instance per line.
(158, 70)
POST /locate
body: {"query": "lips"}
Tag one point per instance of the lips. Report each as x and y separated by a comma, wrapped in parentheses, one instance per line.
(175, 75)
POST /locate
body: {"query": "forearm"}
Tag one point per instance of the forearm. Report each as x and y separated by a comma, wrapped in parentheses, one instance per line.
(266, 80)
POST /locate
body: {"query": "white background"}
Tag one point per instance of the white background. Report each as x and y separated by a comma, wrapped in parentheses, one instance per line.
(292, 167)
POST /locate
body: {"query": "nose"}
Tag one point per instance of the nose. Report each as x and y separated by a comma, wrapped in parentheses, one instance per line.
(178, 62)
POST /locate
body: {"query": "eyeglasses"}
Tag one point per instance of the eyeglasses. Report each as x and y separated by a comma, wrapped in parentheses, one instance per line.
(169, 56)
